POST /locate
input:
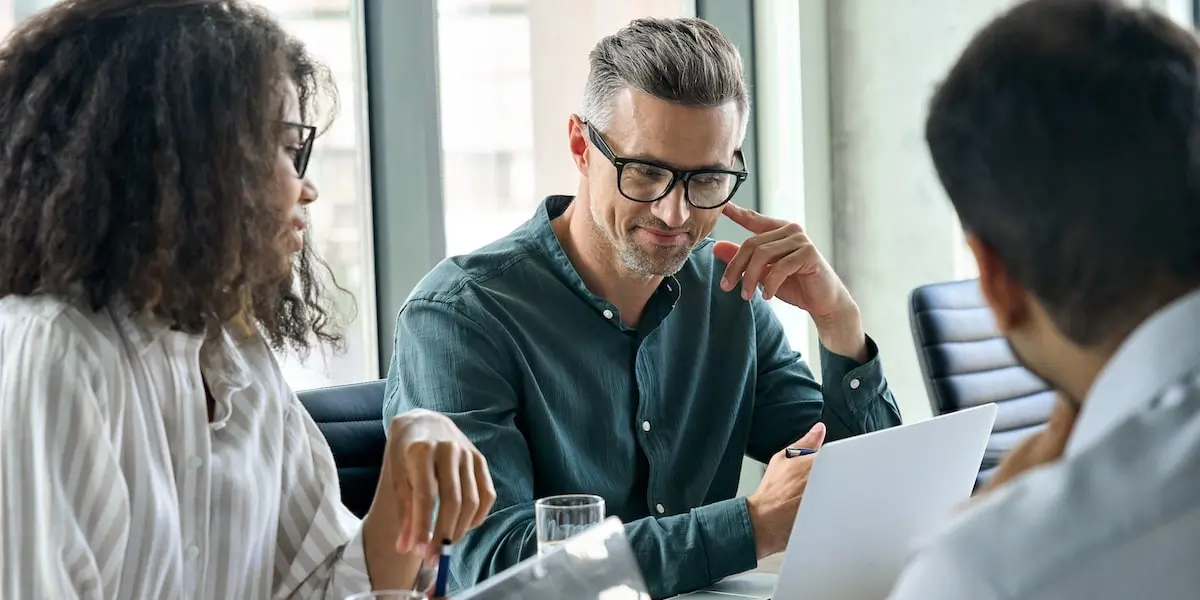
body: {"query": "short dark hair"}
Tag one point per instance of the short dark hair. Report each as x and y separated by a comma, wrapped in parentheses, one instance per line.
(138, 149)
(1067, 137)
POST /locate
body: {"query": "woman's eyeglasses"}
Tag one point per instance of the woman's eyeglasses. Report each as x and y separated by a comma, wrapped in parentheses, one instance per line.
(302, 150)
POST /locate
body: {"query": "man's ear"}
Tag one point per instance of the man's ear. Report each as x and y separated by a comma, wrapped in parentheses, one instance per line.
(577, 143)
(1007, 299)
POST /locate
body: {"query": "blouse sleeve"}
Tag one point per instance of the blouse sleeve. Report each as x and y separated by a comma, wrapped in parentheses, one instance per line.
(320, 545)
(65, 522)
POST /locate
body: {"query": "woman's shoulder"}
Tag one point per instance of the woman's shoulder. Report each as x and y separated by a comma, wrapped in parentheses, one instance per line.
(53, 327)
(17, 308)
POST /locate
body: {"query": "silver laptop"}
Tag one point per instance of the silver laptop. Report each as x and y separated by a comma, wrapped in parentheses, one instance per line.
(869, 498)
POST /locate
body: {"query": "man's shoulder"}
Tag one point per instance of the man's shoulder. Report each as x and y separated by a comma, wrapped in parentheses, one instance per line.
(999, 540)
(496, 266)
(1058, 519)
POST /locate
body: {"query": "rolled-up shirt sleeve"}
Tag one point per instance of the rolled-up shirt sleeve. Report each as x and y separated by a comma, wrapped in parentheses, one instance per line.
(320, 544)
(850, 399)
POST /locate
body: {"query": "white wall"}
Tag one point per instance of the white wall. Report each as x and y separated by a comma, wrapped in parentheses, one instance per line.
(1180, 10)
(841, 97)
(6, 16)
(892, 227)
(843, 88)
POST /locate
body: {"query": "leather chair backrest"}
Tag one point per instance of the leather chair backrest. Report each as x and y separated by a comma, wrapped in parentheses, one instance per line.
(351, 417)
(966, 362)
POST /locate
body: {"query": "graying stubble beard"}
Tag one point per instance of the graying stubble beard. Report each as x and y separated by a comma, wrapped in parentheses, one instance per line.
(632, 257)
(635, 260)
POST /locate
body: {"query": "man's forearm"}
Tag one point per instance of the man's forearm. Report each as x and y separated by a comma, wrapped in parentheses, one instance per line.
(676, 554)
(719, 542)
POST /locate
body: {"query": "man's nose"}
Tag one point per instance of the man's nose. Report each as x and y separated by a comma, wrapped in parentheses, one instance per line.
(672, 209)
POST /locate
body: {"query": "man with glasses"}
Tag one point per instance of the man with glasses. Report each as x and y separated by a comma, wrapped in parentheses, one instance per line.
(609, 347)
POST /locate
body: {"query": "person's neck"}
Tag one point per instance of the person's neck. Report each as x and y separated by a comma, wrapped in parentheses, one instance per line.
(1082, 365)
(1080, 372)
(597, 264)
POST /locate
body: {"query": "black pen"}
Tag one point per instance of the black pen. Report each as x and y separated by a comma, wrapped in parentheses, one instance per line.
(794, 452)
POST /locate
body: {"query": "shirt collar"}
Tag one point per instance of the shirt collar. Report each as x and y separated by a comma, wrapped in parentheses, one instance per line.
(546, 241)
(220, 354)
(224, 361)
(141, 331)
(1161, 350)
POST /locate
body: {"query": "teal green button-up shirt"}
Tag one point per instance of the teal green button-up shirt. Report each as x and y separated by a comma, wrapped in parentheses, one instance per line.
(561, 397)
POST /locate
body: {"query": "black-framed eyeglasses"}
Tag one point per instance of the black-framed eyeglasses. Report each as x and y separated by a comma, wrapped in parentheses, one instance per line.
(301, 151)
(649, 181)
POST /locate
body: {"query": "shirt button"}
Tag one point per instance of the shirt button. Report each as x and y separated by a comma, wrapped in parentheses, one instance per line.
(660, 508)
(195, 462)
(192, 552)
(854, 383)
(608, 314)
(645, 425)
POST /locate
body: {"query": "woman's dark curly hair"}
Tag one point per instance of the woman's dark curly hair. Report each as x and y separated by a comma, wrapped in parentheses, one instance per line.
(138, 149)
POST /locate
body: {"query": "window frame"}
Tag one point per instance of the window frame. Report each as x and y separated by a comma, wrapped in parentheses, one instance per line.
(407, 200)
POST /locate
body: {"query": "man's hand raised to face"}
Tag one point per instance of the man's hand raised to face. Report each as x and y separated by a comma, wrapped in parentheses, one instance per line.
(781, 258)
(774, 504)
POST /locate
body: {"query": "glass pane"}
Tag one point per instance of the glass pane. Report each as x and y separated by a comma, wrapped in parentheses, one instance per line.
(501, 62)
(341, 218)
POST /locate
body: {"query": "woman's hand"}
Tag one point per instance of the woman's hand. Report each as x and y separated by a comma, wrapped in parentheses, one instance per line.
(431, 462)
(428, 462)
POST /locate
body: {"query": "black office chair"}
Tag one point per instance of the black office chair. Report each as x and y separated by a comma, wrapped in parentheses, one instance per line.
(965, 363)
(351, 417)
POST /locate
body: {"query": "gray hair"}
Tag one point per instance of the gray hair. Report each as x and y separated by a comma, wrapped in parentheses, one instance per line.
(684, 61)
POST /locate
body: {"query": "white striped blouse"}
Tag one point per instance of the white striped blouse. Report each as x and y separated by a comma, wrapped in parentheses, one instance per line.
(116, 485)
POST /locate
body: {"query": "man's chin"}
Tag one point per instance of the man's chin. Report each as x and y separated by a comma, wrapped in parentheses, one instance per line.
(661, 264)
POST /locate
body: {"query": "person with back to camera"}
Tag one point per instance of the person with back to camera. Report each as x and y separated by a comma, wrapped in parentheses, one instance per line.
(1067, 136)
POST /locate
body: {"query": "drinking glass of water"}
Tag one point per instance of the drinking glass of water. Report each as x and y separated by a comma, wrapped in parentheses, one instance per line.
(560, 517)
(389, 595)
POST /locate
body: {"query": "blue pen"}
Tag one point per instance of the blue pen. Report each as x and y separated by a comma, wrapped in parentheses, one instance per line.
(794, 452)
(443, 575)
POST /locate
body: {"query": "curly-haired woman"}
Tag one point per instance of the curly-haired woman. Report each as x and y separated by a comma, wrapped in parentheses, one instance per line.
(152, 193)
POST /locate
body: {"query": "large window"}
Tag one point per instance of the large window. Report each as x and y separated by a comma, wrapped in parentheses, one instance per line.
(341, 218)
(510, 74)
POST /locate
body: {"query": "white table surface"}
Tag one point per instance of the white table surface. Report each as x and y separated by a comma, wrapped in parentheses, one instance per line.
(770, 564)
